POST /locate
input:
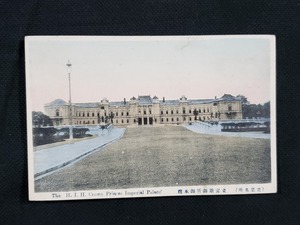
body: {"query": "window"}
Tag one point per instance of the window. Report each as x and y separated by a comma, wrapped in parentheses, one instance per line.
(102, 107)
(57, 112)
(199, 110)
(127, 120)
(98, 114)
(83, 114)
(204, 110)
(122, 121)
(87, 114)
(150, 112)
(177, 119)
(116, 113)
(161, 112)
(167, 120)
(122, 113)
(190, 118)
(139, 112)
(104, 113)
(167, 112)
(172, 119)
(176, 111)
(127, 114)
(190, 111)
(116, 121)
(229, 108)
(145, 112)
(183, 110)
(171, 111)
(93, 122)
(207, 109)
(79, 122)
(93, 114)
(162, 119)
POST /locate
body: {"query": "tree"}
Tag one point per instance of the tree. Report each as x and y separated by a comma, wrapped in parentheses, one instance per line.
(244, 99)
(40, 119)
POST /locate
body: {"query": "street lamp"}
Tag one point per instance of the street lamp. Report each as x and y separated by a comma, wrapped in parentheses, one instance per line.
(69, 68)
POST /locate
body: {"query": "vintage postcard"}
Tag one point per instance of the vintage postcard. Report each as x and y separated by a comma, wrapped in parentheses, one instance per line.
(150, 116)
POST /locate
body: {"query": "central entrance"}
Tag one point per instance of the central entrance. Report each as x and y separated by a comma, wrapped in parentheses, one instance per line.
(145, 121)
(151, 121)
(139, 121)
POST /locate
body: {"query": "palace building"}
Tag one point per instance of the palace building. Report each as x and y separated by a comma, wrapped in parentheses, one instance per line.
(145, 110)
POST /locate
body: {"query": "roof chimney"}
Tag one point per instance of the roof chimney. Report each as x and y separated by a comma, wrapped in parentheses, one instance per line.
(164, 99)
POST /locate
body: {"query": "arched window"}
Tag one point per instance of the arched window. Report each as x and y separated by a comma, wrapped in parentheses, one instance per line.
(57, 112)
(122, 113)
(122, 121)
(183, 110)
(172, 119)
(190, 111)
(207, 109)
(161, 112)
(171, 111)
(83, 114)
(93, 122)
(127, 120)
(88, 114)
(167, 112)
(177, 119)
(176, 111)
(167, 120)
(117, 113)
(127, 113)
(162, 119)
(93, 114)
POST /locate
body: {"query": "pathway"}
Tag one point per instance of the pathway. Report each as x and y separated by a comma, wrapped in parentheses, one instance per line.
(51, 159)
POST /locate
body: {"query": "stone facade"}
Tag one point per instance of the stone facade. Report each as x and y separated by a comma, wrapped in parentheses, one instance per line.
(145, 110)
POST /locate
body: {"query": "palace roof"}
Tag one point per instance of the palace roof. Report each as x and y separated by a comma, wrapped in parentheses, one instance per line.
(147, 100)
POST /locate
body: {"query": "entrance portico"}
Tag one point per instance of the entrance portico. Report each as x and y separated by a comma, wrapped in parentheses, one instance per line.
(145, 121)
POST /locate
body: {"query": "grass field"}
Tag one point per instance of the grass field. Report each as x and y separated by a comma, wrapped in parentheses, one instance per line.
(166, 156)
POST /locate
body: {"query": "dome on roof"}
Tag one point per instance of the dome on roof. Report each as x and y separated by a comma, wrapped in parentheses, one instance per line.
(155, 97)
(183, 98)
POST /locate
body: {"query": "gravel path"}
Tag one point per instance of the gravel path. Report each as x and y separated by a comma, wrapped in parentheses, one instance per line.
(166, 156)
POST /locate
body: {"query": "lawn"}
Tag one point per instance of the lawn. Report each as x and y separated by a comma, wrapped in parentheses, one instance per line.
(166, 156)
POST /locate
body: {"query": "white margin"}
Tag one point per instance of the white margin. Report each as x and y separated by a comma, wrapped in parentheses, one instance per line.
(202, 190)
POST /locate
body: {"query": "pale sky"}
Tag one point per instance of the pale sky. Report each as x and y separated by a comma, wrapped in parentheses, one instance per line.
(117, 69)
